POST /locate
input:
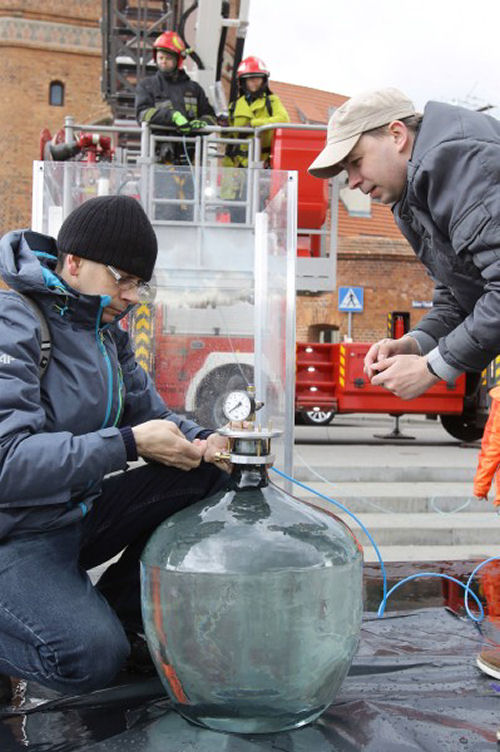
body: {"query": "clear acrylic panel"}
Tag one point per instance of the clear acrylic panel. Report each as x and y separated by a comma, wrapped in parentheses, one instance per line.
(60, 187)
(275, 236)
(224, 315)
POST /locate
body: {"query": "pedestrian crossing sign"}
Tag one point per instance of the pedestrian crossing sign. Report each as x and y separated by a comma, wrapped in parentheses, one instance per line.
(351, 299)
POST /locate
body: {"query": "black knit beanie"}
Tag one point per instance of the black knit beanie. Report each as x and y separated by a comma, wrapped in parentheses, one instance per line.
(111, 230)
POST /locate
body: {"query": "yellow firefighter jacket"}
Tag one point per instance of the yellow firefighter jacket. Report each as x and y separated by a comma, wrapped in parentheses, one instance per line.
(247, 114)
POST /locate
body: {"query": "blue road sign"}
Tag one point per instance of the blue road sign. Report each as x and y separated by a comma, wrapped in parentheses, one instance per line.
(351, 299)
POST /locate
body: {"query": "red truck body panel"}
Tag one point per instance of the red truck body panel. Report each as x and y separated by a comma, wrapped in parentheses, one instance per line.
(330, 376)
(295, 149)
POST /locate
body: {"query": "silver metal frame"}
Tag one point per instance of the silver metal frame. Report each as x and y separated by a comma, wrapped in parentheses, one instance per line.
(312, 274)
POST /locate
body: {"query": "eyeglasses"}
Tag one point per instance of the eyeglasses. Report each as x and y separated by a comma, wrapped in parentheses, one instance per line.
(145, 292)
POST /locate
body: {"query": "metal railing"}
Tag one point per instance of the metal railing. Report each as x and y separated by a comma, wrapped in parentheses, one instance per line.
(203, 202)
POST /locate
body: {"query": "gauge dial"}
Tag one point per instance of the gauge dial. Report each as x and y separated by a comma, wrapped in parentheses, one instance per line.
(238, 406)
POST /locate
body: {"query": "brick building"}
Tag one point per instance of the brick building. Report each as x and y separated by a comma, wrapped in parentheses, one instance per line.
(50, 52)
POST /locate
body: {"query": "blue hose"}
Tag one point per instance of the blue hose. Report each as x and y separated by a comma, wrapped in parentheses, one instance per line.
(381, 608)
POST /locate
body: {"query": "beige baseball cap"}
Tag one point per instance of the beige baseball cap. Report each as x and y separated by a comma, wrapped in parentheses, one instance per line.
(362, 113)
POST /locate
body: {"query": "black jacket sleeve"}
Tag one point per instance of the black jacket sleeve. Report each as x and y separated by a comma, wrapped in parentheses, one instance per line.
(146, 108)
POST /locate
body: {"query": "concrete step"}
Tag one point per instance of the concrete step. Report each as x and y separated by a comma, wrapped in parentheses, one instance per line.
(414, 496)
(427, 529)
(383, 473)
(398, 498)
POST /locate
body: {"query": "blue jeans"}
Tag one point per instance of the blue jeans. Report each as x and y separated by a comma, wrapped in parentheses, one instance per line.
(56, 628)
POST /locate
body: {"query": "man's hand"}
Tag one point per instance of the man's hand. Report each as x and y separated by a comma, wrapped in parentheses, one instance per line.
(214, 445)
(407, 376)
(198, 125)
(384, 348)
(181, 122)
(163, 441)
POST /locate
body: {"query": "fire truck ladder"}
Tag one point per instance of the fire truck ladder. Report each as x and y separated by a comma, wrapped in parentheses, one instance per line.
(129, 28)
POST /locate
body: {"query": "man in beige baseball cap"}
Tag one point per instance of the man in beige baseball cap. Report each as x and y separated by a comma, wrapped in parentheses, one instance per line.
(363, 113)
(439, 173)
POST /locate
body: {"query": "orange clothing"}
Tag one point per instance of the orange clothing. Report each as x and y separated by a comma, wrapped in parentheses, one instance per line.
(489, 456)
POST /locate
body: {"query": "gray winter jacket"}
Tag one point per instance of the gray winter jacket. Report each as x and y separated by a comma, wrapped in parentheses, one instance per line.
(60, 436)
(450, 214)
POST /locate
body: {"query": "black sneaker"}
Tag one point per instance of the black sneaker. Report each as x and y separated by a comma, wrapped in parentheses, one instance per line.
(5, 689)
(139, 660)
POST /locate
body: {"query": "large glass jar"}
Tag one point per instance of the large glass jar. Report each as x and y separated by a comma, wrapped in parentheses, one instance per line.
(252, 606)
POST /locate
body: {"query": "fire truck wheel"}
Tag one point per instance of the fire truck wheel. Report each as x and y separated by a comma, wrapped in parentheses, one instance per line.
(213, 391)
(463, 427)
(469, 425)
(317, 417)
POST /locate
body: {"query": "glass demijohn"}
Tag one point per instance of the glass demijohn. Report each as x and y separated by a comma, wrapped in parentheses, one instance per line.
(252, 601)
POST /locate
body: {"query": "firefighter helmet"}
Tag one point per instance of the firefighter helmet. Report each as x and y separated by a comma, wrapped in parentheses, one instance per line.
(252, 66)
(170, 41)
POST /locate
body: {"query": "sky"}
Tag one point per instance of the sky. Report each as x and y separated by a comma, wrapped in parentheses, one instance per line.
(447, 50)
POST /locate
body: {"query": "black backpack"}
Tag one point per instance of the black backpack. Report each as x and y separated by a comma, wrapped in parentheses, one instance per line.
(46, 344)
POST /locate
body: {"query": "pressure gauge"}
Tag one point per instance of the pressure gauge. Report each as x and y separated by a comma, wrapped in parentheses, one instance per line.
(238, 406)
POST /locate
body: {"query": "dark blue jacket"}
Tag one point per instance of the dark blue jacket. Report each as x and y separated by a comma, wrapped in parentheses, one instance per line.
(59, 436)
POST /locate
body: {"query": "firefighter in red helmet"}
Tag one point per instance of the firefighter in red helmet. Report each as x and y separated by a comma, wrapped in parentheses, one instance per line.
(170, 97)
(172, 44)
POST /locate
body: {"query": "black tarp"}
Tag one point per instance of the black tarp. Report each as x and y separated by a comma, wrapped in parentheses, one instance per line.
(413, 686)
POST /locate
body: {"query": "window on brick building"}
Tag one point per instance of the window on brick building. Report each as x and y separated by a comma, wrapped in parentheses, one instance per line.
(56, 93)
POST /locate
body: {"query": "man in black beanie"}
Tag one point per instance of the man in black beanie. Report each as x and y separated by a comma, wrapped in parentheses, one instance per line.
(111, 230)
(64, 507)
